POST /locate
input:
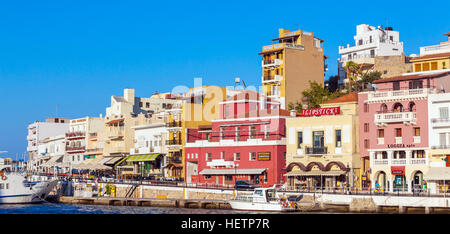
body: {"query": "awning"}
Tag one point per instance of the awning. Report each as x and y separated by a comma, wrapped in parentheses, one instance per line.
(253, 171)
(142, 157)
(112, 160)
(53, 161)
(437, 173)
(114, 121)
(315, 173)
(91, 164)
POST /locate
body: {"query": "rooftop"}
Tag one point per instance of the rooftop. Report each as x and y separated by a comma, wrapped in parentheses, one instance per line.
(432, 74)
(351, 97)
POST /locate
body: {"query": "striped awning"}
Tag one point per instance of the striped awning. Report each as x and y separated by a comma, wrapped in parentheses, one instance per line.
(142, 157)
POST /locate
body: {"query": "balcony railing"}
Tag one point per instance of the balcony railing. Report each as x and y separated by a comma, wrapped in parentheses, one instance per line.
(406, 117)
(272, 79)
(75, 148)
(385, 96)
(115, 134)
(399, 161)
(272, 62)
(316, 150)
(173, 142)
(173, 124)
(435, 49)
(75, 134)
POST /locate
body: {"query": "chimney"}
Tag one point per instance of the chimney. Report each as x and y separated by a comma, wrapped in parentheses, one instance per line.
(128, 94)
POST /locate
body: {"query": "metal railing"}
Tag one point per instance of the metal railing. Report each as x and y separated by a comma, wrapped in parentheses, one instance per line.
(316, 150)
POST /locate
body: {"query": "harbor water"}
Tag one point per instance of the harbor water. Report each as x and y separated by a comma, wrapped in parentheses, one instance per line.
(59, 208)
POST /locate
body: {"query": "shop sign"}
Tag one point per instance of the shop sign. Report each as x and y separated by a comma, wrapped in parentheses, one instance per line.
(363, 178)
(398, 170)
(400, 145)
(264, 156)
(321, 111)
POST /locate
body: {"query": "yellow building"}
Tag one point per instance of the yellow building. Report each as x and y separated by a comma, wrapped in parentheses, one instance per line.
(201, 106)
(435, 57)
(322, 146)
(289, 65)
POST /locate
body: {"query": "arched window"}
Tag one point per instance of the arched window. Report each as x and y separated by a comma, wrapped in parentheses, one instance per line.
(412, 106)
(398, 107)
(383, 108)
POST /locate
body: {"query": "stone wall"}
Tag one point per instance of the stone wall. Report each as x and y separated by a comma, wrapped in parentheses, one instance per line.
(391, 66)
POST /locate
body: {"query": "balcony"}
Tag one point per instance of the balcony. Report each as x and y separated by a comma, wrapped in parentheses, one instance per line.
(271, 63)
(435, 49)
(272, 79)
(94, 150)
(73, 149)
(72, 135)
(316, 150)
(360, 59)
(115, 134)
(173, 142)
(280, 46)
(396, 95)
(439, 123)
(173, 126)
(395, 117)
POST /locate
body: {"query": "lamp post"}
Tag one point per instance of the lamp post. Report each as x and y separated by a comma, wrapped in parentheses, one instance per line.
(235, 172)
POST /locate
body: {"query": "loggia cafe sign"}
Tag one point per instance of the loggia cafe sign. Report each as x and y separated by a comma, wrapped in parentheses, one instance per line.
(321, 111)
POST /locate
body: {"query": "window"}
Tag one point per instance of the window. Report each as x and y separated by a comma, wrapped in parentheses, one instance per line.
(442, 139)
(443, 112)
(147, 104)
(299, 140)
(366, 107)
(338, 138)
(416, 131)
(398, 132)
(425, 66)
(366, 127)
(208, 157)
(266, 131)
(417, 68)
(222, 155)
(366, 143)
(207, 136)
(396, 85)
(416, 84)
(238, 134)
(252, 132)
(380, 133)
(207, 177)
(237, 156)
(252, 156)
(228, 177)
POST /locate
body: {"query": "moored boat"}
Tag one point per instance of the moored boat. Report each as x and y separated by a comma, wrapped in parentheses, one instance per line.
(17, 187)
(262, 199)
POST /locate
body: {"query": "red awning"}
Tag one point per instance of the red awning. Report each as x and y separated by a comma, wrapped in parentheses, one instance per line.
(397, 170)
(115, 121)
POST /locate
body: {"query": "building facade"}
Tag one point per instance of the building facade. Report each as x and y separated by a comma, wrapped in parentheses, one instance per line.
(370, 42)
(322, 146)
(247, 142)
(289, 65)
(394, 132)
(38, 131)
(434, 57)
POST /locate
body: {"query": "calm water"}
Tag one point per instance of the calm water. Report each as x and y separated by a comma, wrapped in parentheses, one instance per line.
(52, 208)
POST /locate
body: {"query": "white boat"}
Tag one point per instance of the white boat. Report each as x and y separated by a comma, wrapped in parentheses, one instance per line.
(262, 199)
(16, 187)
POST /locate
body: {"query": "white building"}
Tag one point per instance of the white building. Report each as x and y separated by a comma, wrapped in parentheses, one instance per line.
(370, 42)
(38, 131)
(149, 155)
(78, 135)
(438, 176)
(51, 151)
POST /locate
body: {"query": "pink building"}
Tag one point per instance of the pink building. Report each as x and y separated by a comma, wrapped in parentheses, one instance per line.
(393, 129)
(247, 143)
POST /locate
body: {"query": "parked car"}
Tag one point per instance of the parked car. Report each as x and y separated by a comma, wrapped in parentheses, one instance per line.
(242, 184)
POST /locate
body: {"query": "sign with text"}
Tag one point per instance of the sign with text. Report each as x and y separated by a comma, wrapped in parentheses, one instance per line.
(264, 156)
(321, 111)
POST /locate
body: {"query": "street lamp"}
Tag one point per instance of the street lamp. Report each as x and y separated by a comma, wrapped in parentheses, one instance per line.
(235, 171)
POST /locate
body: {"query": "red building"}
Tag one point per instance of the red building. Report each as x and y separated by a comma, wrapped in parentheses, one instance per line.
(247, 143)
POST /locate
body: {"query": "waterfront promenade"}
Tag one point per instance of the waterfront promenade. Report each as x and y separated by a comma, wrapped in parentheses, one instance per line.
(182, 196)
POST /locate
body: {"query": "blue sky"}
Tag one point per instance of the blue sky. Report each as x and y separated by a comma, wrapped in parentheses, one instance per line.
(76, 54)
